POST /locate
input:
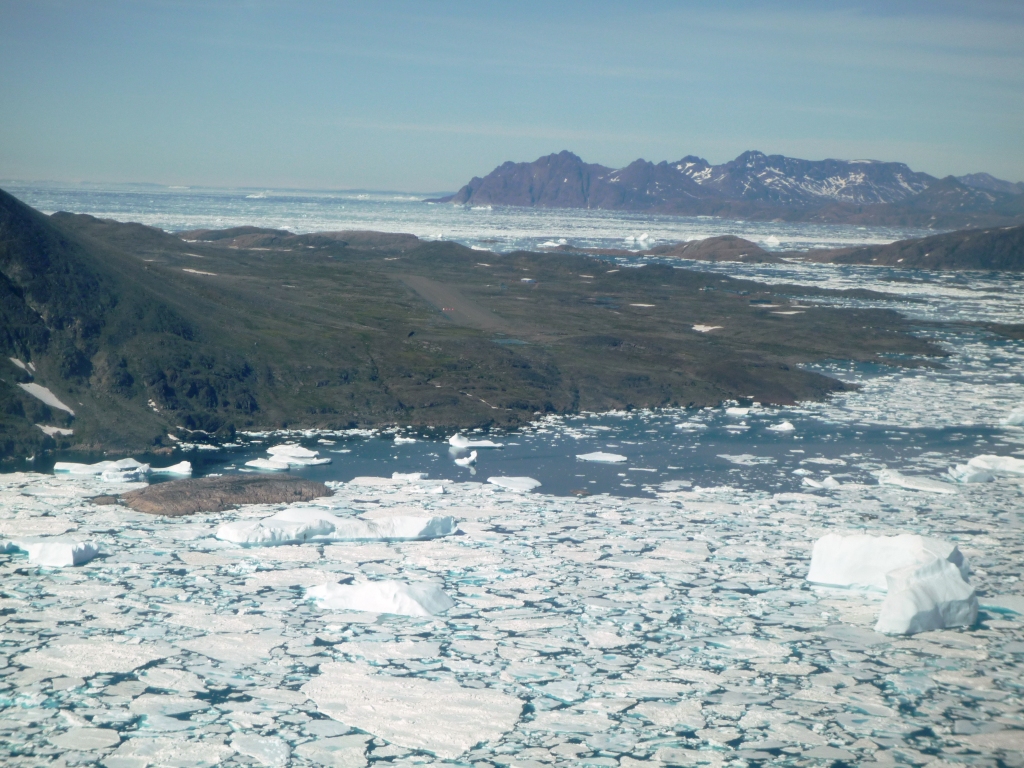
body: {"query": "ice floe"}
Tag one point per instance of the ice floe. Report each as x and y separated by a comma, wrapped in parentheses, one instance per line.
(467, 461)
(122, 470)
(400, 598)
(785, 426)
(699, 328)
(602, 457)
(518, 484)
(862, 561)
(301, 524)
(998, 465)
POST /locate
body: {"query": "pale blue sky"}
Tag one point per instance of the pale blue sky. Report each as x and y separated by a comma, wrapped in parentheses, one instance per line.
(423, 95)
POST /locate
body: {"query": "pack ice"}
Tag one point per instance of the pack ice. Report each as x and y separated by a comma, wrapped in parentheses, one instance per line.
(298, 525)
(925, 579)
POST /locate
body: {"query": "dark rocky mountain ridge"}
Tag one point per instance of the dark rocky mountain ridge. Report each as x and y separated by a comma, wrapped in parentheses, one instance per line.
(754, 186)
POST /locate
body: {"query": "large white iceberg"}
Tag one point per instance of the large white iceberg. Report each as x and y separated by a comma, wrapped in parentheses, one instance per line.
(601, 457)
(520, 484)
(296, 455)
(861, 561)
(294, 526)
(53, 553)
(463, 443)
(926, 597)
(122, 470)
(964, 473)
(925, 579)
(417, 599)
(998, 465)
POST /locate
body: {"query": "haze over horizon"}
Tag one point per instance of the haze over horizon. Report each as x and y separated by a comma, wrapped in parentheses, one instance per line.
(261, 93)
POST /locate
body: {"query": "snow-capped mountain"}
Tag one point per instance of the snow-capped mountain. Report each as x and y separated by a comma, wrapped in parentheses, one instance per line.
(754, 185)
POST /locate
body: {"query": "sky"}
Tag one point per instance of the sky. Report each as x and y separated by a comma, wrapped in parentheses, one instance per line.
(421, 96)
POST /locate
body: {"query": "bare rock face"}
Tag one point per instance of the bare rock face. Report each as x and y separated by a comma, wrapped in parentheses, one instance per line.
(215, 494)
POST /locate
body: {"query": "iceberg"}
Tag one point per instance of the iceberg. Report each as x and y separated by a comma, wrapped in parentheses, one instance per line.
(964, 473)
(295, 455)
(998, 465)
(1014, 419)
(269, 465)
(785, 426)
(601, 457)
(403, 599)
(181, 468)
(295, 526)
(462, 443)
(54, 553)
(467, 461)
(925, 597)
(861, 561)
(913, 483)
(519, 484)
(737, 411)
(101, 467)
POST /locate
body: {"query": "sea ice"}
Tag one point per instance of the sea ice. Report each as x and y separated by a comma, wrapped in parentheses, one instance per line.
(913, 482)
(785, 426)
(85, 659)
(296, 455)
(737, 411)
(437, 716)
(924, 597)
(168, 752)
(399, 440)
(297, 525)
(42, 393)
(56, 553)
(997, 465)
(463, 443)
(403, 599)
(520, 484)
(706, 328)
(130, 466)
(600, 456)
(862, 561)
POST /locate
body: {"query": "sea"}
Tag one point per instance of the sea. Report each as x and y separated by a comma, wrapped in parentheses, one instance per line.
(921, 418)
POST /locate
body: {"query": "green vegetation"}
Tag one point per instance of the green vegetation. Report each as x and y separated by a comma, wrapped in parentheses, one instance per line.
(142, 332)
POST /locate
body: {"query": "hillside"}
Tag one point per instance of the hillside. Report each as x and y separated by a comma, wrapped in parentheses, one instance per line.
(144, 334)
(990, 249)
(754, 186)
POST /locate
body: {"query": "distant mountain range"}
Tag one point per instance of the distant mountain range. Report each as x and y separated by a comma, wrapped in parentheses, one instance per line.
(755, 186)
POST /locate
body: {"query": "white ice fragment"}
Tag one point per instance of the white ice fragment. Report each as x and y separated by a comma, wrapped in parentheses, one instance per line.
(463, 443)
(409, 476)
(436, 716)
(85, 659)
(736, 411)
(785, 426)
(913, 482)
(181, 468)
(923, 597)
(87, 739)
(1014, 419)
(399, 440)
(746, 459)
(519, 484)
(42, 393)
(862, 561)
(601, 457)
(998, 465)
(269, 465)
(467, 461)
(268, 750)
(828, 482)
(964, 473)
(706, 328)
(57, 553)
(294, 526)
(403, 599)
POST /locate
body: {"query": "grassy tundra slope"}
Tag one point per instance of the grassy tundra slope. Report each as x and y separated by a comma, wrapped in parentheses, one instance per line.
(140, 331)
